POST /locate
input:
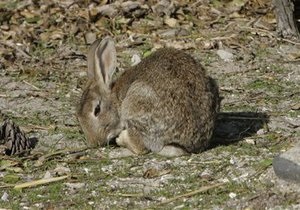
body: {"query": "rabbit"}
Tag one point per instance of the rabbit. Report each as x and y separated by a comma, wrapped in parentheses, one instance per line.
(166, 104)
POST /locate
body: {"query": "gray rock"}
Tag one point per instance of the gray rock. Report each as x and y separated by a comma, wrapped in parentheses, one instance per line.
(287, 165)
(225, 55)
(90, 37)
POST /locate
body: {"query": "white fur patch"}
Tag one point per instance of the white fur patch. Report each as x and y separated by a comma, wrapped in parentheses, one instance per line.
(123, 138)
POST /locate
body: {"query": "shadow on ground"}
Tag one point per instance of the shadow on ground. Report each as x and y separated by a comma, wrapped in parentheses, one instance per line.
(235, 126)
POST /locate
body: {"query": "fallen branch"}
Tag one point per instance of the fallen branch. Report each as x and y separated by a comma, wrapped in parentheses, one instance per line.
(202, 189)
(51, 156)
(6, 186)
(35, 87)
(258, 30)
(131, 195)
(39, 182)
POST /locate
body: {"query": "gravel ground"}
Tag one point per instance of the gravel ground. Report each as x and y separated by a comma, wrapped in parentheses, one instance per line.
(42, 77)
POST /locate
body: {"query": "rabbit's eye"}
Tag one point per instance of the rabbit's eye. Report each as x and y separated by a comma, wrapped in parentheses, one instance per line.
(97, 110)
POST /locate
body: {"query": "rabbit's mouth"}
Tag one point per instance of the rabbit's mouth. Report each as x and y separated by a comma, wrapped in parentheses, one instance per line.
(112, 140)
(112, 136)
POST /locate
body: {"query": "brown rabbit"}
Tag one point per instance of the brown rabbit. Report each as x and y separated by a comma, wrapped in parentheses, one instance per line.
(166, 104)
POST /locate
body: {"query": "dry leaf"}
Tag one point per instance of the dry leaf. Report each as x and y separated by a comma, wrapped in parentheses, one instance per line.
(172, 22)
(155, 172)
(108, 10)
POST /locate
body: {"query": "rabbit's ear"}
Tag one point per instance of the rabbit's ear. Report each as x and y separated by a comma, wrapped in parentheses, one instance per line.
(102, 60)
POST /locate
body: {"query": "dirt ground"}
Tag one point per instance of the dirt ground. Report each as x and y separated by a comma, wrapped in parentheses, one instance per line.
(43, 47)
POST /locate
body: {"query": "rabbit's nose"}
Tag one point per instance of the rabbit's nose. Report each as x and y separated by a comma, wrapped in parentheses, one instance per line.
(111, 139)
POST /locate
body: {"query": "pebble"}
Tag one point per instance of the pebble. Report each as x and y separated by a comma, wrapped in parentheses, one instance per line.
(75, 186)
(90, 37)
(4, 197)
(171, 22)
(260, 132)
(225, 55)
(232, 195)
(287, 165)
(62, 170)
(250, 141)
(135, 59)
(47, 175)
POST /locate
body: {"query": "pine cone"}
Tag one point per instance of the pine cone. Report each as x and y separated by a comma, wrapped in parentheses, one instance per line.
(14, 140)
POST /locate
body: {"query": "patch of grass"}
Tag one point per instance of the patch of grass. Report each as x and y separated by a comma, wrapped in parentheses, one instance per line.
(71, 133)
(277, 69)
(268, 85)
(294, 113)
(239, 107)
(264, 163)
(42, 51)
(146, 49)
(261, 53)
(207, 58)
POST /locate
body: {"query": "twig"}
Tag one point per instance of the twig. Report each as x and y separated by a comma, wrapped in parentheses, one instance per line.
(38, 127)
(224, 37)
(48, 157)
(39, 182)
(202, 189)
(27, 83)
(128, 195)
(7, 186)
(26, 55)
(271, 34)
(3, 96)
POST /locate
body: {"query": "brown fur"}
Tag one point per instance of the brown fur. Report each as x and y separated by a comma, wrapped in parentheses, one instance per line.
(167, 99)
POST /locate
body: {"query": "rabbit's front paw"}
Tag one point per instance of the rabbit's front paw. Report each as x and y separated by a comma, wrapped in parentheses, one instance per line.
(123, 138)
(132, 142)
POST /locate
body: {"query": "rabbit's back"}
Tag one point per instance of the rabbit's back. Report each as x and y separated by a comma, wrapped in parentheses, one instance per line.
(168, 99)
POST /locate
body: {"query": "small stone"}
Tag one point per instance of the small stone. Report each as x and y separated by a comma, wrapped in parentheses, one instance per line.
(75, 186)
(108, 10)
(296, 106)
(207, 45)
(232, 195)
(82, 74)
(130, 6)
(232, 160)
(168, 33)
(4, 197)
(86, 170)
(47, 175)
(260, 132)
(172, 22)
(4, 27)
(94, 193)
(250, 141)
(225, 55)
(135, 59)
(287, 165)
(206, 174)
(62, 170)
(90, 37)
